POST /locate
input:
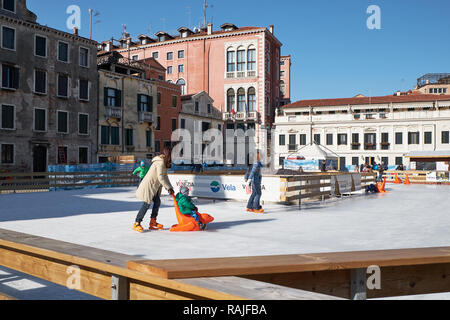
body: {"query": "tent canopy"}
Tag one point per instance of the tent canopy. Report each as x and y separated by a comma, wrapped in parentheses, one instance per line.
(315, 152)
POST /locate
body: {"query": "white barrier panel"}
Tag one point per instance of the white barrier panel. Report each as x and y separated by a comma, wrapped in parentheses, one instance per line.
(225, 187)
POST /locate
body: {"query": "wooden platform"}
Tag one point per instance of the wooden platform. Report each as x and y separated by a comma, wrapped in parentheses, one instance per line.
(219, 267)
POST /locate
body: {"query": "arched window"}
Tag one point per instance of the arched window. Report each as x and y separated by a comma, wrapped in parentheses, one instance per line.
(241, 59)
(282, 88)
(231, 60)
(182, 83)
(251, 59)
(231, 100)
(241, 100)
(251, 99)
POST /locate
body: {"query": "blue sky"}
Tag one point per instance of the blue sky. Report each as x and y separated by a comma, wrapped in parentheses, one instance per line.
(334, 54)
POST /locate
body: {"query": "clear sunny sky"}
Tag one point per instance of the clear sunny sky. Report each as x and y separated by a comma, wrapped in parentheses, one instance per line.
(334, 54)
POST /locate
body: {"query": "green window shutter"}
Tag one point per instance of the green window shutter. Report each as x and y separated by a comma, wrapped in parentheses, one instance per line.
(105, 96)
(118, 98)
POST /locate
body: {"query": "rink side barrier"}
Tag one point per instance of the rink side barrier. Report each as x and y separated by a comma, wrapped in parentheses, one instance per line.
(104, 274)
(419, 177)
(53, 181)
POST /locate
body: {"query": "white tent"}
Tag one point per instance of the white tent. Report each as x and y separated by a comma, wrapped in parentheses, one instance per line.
(314, 152)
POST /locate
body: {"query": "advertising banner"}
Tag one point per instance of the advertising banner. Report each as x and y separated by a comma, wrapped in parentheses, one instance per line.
(225, 187)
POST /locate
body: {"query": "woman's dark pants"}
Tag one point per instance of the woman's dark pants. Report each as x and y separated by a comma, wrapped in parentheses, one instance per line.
(156, 204)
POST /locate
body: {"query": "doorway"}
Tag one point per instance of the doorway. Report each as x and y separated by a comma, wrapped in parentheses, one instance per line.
(39, 159)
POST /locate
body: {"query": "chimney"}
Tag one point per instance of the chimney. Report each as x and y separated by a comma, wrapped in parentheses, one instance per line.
(210, 27)
(271, 28)
(75, 31)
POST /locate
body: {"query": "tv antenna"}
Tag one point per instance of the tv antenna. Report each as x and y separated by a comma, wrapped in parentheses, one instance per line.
(93, 14)
(189, 13)
(205, 7)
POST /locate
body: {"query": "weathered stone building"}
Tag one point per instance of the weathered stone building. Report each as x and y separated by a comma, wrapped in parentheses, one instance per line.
(48, 94)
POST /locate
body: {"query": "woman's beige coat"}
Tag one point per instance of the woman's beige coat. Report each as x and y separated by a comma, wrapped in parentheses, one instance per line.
(153, 182)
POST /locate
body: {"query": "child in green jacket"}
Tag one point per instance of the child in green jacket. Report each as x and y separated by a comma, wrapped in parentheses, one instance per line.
(187, 207)
(142, 170)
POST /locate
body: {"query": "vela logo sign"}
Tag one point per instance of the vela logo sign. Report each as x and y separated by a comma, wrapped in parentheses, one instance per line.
(215, 186)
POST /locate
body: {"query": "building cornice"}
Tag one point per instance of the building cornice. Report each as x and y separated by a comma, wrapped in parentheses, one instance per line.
(40, 27)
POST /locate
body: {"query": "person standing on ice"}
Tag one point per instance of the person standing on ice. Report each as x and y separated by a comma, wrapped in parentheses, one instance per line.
(142, 170)
(150, 190)
(254, 178)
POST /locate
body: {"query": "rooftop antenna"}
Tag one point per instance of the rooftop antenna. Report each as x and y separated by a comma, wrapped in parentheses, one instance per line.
(164, 23)
(189, 13)
(205, 6)
(92, 14)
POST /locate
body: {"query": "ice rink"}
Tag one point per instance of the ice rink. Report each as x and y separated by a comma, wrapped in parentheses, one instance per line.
(407, 217)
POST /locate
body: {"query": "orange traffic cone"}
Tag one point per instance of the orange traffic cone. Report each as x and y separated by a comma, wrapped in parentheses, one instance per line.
(383, 188)
(407, 180)
(397, 179)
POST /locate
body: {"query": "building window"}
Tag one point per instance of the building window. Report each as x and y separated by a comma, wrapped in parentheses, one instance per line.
(251, 60)
(84, 57)
(158, 123)
(83, 155)
(231, 101)
(355, 161)
(174, 124)
(385, 161)
(104, 135)
(292, 142)
(40, 120)
(183, 124)
(231, 61)
(208, 107)
(9, 5)
(370, 141)
(303, 139)
(145, 103)
(63, 85)
(241, 100)
(282, 88)
(385, 141)
(63, 51)
(197, 106)
(155, 55)
(251, 99)
(181, 54)
(282, 140)
(158, 98)
(112, 97)
(10, 77)
(83, 90)
(135, 57)
(7, 117)
(115, 136)
(169, 55)
(281, 161)
(83, 124)
(427, 139)
(129, 137)
(174, 101)
(8, 38)
(241, 60)
(148, 139)
(7, 154)
(181, 68)
(40, 81)
(182, 83)
(445, 137)
(157, 146)
(317, 139)
(329, 139)
(169, 70)
(40, 46)
(342, 139)
(63, 122)
(399, 138)
(413, 137)
(398, 161)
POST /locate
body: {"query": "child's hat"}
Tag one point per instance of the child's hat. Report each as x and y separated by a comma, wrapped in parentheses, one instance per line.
(184, 190)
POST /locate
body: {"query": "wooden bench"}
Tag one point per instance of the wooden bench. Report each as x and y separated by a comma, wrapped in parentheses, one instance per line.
(403, 272)
(104, 274)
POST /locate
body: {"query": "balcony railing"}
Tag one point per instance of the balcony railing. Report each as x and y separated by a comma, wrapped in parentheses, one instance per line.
(113, 112)
(145, 117)
(241, 74)
(241, 116)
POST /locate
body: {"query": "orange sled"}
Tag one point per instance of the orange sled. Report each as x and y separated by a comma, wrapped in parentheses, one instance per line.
(187, 223)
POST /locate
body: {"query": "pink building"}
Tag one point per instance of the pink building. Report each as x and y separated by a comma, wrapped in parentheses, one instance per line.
(285, 80)
(238, 67)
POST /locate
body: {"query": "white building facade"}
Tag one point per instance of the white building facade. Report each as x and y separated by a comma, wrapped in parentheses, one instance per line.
(365, 130)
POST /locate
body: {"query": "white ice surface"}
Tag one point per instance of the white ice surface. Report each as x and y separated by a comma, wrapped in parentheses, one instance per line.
(407, 217)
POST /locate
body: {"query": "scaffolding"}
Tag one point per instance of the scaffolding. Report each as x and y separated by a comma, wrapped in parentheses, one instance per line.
(433, 78)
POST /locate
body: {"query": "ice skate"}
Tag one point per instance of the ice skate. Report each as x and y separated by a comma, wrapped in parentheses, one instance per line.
(260, 211)
(137, 227)
(155, 226)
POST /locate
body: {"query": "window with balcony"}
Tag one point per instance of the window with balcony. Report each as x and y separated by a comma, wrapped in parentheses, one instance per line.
(251, 99)
(251, 59)
(231, 101)
(231, 61)
(10, 77)
(241, 100)
(112, 97)
(370, 141)
(144, 103)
